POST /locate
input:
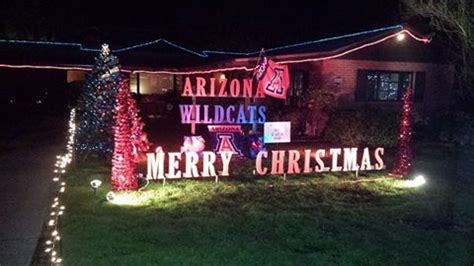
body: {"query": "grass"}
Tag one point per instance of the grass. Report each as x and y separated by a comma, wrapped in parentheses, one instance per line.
(321, 220)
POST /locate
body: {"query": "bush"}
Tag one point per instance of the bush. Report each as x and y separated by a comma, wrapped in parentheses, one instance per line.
(455, 127)
(368, 126)
(291, 114)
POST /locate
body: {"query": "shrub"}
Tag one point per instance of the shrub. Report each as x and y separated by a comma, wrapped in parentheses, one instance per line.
(368, 126)
(454, 127)
(291, 114)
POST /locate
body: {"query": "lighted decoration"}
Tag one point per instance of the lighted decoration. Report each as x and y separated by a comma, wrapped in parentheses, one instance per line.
(206, 53)
(226, 138)
(296, 162)
(193, 144)
(110, 196)
(96, 183)
(223, 88)
(138, 137)
(226, 142)
(105, 49)
(403, 161)
(256, 145)
(123, 161)
(273, 78)
(277, 132)
(232, 114)
(52, 242)
(419, 180)
(95, 107)
(190, 161)
(401, 37)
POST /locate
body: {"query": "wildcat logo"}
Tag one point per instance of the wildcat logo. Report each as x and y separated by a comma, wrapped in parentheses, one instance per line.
(225, 143)
(276, 82)
(273, 78)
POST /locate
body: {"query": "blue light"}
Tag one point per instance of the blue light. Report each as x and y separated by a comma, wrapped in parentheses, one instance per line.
(307, 42)
(203, 53)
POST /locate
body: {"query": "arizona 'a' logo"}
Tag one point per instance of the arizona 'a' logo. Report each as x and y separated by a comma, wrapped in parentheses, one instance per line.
(273, 78)
(275, 85)
(225, 143)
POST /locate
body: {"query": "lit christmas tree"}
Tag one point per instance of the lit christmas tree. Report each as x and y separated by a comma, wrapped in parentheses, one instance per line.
(403, 160)
(138, 137)
(123, 164)
(95, 107)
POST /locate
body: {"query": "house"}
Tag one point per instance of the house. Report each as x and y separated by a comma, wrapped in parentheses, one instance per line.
(365, 68)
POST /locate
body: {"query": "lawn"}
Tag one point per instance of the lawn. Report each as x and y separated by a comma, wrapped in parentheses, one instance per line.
(315, 220)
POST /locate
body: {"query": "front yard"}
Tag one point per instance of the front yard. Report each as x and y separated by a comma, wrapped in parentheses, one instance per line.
(317, 220)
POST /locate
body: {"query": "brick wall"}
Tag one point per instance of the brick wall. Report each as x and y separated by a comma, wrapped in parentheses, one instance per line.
(340, 77)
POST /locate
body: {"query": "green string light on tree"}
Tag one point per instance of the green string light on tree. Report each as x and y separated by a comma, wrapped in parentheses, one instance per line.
(96, 105)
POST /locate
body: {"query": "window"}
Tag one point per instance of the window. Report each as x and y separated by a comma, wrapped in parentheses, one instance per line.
(295, 91)
(388, 86)
(152, 83)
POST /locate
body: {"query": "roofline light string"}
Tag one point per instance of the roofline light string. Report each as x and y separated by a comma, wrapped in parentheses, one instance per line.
(204, 53)
(225, 69)
(356, 48)
(248, 69)
(308, 42)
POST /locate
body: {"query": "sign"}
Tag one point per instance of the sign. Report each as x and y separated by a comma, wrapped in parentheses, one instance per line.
(212, 87)
(277, 132)
(226, 138)
(232, 114)
(189, 161)
(276, 162)
(297, 162)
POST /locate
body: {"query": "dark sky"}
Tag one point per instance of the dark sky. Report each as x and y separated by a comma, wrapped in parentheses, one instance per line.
(222, 25)
(196, 24)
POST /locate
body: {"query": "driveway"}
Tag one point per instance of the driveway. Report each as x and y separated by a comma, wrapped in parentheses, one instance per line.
(27, 155)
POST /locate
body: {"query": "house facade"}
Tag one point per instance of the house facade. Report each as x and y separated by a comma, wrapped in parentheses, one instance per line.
(373, 69)
(370, 68)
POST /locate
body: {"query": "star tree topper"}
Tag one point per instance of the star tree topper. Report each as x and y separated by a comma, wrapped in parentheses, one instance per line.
(105, 49)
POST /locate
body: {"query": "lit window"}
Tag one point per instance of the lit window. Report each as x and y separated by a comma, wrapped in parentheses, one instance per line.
(387, 86)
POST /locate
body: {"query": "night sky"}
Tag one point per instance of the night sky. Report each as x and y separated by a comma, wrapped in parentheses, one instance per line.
(198, 25)
(195, 24)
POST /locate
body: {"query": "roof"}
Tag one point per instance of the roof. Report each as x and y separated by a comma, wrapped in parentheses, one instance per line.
(163, 55)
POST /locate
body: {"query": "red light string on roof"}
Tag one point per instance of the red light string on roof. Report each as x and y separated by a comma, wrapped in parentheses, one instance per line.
(355, 49)
(45, 67)
(226, 69)
(249, 69)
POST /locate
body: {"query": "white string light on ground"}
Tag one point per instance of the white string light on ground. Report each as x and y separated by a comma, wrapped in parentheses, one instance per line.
(52, 243)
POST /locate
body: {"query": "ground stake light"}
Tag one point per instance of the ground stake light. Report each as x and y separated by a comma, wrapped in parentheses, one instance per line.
(95, 184)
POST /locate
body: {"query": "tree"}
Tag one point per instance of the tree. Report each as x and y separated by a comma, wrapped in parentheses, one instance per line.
(123, 165)
(129, 140)
(138, 137)
(403, 160)
(96, 106)
(454, 20)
